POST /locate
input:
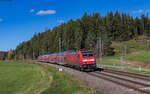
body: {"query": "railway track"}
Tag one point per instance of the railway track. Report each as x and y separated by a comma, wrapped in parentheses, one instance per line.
(110, 75)
(124, 79)
(128, 74)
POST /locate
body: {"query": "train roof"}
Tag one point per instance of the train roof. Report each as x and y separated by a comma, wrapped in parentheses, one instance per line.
(40, 56)
(62, 53)
(52, 55)
(72, 53)
(44, 55)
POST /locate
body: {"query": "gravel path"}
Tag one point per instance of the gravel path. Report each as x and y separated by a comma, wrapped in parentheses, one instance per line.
(106, 87)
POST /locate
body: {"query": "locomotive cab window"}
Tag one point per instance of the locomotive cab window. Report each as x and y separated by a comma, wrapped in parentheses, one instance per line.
(87, 54)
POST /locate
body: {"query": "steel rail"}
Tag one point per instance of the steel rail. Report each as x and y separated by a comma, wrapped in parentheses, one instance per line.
(133, 75)
(127, 80)
(119, 83)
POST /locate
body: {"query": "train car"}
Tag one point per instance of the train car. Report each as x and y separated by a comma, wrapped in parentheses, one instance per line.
(61, 57)
(72, 59)
(45, 58)
(83, 60)
(39, 58)
(53, 58)
(42, 58)
(65, 57)
(87, 60)
(48, 58)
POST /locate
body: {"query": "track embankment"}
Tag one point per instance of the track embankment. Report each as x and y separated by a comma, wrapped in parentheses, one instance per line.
(105, 82)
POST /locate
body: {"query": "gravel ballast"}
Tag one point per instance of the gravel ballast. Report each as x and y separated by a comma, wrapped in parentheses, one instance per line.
(104, 86)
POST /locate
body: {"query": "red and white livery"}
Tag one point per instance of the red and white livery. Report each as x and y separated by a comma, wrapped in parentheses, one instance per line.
(83, 60)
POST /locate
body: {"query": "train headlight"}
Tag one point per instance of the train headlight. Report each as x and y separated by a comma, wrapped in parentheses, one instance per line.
(88, 60)
(92, 60)
(84, 60)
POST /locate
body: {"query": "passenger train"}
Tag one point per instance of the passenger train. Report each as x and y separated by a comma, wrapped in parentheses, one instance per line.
(82, 60)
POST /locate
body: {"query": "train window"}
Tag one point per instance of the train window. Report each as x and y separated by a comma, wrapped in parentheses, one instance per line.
(73, 53)
(52, 55)
(87, 54)
(60, 54)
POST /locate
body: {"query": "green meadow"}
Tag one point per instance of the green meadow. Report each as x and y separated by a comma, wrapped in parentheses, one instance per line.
(30, 78)
(134, 54)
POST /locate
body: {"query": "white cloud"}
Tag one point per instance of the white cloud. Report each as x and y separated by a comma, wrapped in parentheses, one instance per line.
(46, 12)
(1, 19)
(60, 21)
(138, 11)
(31, 10)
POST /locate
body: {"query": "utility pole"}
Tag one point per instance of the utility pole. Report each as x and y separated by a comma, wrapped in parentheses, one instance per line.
(100, 51)
(59, 48)
(23, 57)
(43, 51)
(126, 56)
(33, 55)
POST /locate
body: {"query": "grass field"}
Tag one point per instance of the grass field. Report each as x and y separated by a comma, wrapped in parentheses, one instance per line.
(132, 46)
(138, 55)
(29, 78)
(141, 58)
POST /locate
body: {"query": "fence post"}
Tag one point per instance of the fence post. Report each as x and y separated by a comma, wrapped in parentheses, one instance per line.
(140, 68)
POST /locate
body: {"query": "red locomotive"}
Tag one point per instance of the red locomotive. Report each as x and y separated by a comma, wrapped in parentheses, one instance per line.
(83, 60)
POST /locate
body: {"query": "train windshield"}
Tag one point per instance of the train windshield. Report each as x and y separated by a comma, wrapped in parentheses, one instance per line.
(87, 54)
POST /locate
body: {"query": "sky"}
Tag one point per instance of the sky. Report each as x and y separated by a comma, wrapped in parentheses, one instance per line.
(21, 19)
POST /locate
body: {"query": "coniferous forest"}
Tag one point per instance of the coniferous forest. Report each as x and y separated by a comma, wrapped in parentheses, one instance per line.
(84, 33)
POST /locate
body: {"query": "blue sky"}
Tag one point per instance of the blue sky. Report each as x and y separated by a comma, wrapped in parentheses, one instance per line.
(21, 19)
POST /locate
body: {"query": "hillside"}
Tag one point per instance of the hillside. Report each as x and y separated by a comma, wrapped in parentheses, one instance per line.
(135, 53)
(85, 33)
